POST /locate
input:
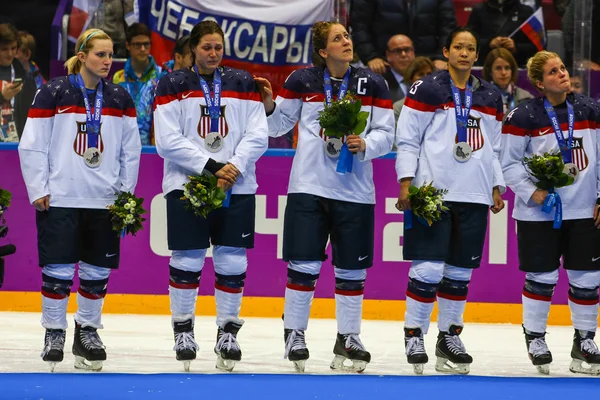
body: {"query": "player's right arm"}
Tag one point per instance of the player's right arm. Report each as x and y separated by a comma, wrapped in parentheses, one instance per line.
(284, 112)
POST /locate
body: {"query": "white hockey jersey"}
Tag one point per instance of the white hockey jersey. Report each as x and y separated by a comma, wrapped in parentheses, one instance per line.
(527, 131)
(313, 172)
(55, 139)
(182, 121)
(426, 134)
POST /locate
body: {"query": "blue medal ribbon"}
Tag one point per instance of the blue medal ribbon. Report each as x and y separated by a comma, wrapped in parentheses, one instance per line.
(213, 104)
(92, 121)
(551, 201)
(344, 164)
(408, 219)
(462, 114)
(227, 199)
(564, 146)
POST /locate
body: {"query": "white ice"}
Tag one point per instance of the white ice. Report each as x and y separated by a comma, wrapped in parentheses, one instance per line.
(143, 344)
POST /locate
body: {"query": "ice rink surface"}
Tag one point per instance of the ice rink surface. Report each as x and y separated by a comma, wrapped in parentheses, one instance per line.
(141, 364)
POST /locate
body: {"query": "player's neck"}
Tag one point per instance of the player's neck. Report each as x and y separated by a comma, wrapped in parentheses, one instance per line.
(460, 78)
(89, 80)
(556, 98)
(337, 69)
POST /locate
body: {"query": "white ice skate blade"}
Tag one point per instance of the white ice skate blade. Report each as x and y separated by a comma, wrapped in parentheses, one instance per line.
(225, 365)
(445, 366)
(581, 367)
(52, 365)
(543, 369)
(186, 365)
(418, 368)
(82, 363)
(339, 364)
(299, 365)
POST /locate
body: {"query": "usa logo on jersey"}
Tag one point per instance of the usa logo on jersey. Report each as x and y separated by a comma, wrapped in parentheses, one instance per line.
(80, 145)
(474, 134)
(204, 123)
(578, 154)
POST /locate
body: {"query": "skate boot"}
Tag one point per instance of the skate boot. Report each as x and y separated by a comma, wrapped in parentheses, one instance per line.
(295, 348)
(88, 349)
(415, 349)
(349, 347)
(539, 354)
(54, 344)
(585, 351)
(227, 348)
(451, 353)
(185, 345)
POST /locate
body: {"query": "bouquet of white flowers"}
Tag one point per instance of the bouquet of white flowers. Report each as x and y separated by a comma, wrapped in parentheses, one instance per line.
(127, 213)
(427, 202)
(203, 195)
(5, 198)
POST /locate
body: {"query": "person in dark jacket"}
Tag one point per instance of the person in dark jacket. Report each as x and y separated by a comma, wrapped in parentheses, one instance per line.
(494, 21)
(374, 22)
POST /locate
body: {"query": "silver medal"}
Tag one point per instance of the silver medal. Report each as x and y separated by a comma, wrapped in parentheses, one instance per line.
(333, 146)
(462, 151)
(92, 157)
(571, 170)
(214, 142)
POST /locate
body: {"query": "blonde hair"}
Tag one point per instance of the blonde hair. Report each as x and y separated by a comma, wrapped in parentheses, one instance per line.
(535, 66)
(84, 44)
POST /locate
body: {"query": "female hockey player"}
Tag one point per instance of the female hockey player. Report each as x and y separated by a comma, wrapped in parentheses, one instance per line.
(448, 133)
(80, 147)
(209, 118)
(322, 204)
(569, 123)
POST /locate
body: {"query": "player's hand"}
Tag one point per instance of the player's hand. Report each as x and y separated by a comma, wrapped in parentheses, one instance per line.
(498, 202)
(229, 173)
(222, 183)
(539, 196)
(597, 215)
(377, 65)
(355, 143)
(42, 204)
(11, 90)
(403, 203)
(266, 93)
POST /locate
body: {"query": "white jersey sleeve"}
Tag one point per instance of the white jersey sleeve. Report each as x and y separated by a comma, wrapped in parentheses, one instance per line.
(130, 150)
(288, 107)
(380, 137)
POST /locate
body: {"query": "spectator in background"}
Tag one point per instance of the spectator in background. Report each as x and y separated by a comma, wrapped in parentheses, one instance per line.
(494, 20)
(576, 83)
(418, 68)
(568, 27)
(500, 68)
(114, 17)
(400, 53)
(374, 22)
(140, 77)
(17, 88)
(182, 56)
(25, 54)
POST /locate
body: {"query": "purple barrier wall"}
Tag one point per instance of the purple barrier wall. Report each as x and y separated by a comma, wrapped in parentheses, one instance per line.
(144, 259)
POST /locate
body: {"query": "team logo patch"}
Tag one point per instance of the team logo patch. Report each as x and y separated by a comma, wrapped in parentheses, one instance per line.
(474, 134)
(578, 154)
(204, 123)
(80, 145)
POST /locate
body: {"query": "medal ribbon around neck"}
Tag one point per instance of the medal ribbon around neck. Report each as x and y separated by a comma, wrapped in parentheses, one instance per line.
(564, 146)
(92, 120)
(213, 104)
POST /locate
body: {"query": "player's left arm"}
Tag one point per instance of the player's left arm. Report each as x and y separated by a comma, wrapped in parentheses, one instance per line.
(131, 147)
(496, 138)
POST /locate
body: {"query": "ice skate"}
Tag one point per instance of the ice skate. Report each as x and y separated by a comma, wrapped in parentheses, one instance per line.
(415, 349)
(295, 348)
(452, 356)
(54, 344)
(585, 354)
(185, 345)
(349, 347)
(539, 354)
(227, 348)
(88, 349)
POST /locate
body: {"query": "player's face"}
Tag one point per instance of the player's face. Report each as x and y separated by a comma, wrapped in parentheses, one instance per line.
(501, 72)
(462, 53)
(576, 84)
(339, 45)
(555, 78)
(209, 53)
(99, 59)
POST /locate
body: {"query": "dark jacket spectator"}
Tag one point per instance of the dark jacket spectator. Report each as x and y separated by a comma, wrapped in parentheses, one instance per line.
(494, 20)
(426, 22)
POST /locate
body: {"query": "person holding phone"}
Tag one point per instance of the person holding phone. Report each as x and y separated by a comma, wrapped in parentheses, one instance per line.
(16, 88)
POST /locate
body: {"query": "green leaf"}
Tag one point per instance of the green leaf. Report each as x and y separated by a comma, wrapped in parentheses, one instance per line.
(359, 127)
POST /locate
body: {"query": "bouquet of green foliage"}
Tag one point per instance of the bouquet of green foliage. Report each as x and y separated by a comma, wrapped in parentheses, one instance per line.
(5, 198)
(202, 195)
(427, 202)
(548, 170)
(126, 213)
(343, 117)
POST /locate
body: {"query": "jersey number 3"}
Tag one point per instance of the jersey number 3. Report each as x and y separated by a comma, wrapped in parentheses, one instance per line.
(414, 87)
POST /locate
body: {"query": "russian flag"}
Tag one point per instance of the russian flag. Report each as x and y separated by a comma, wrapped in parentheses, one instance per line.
(534, 29)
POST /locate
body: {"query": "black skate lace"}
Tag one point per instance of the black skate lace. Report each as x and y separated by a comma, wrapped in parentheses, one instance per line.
(91, 340)
(455, 345)
(185, 341)
(228, 341)
(353, 342)
(295, 341)
(589, 346)
(538, 347)
(415, 345)
(56, 341)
